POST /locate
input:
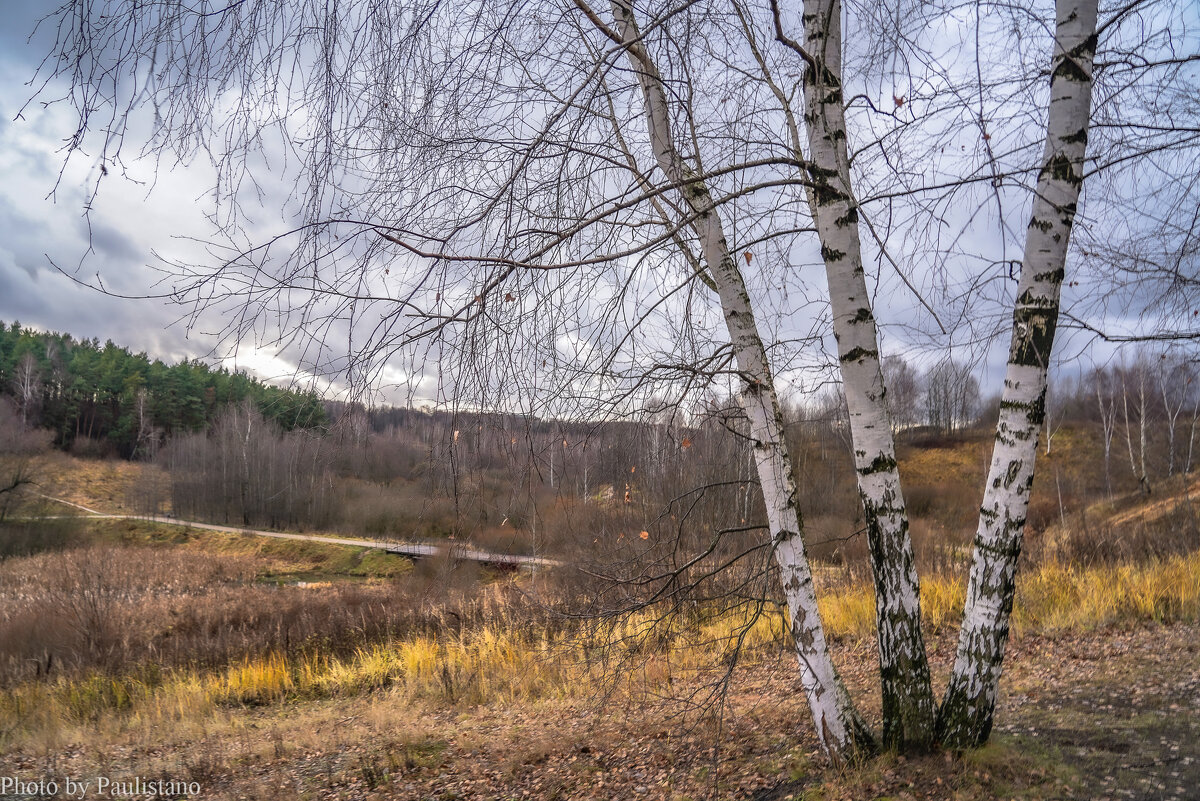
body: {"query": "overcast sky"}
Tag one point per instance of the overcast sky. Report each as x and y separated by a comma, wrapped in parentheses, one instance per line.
(44, 234)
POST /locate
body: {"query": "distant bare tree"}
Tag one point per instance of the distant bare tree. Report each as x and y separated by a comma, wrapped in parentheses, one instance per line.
(1134, 378)
(1106, 401)
(1195, 417)
(1176, 386)
(149, 436)
(904, 390)
(20, 447)
(248, 472)
(1058, 395)
(27, 385)
(951, 395)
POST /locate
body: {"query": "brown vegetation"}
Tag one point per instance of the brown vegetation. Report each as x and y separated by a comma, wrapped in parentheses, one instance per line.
(133, 626)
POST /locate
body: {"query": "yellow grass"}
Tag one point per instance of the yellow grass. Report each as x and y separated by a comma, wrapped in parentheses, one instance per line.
(1051, 597)
(510, 664)
(1061, 596)
(105, 485)
(944, 464)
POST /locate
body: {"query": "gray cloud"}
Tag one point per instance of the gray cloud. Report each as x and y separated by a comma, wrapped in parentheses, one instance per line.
(127, 228)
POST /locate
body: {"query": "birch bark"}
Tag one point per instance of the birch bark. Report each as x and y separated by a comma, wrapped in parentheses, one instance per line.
(1187, 468)
(1165, 376)
(1108, 423)
(965, 718)
(908, 703)
(839, 727)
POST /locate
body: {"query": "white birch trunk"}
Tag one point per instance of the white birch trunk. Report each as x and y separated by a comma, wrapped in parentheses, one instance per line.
(27, 385)
(969, 704)
(1187, 468)
(908, 704)
(838, 725)
(1142, 410)
(1108, 422)
(1164, 378)
(1128, 428)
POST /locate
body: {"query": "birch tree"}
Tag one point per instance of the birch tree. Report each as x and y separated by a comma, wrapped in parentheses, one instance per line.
(27, 386)
(1106, 403)
(1174, 386)
(903, 385)
(969, 705)
(838, 725)
(1137, 462)
(908, 707)
(951, 395)
(1187, 465)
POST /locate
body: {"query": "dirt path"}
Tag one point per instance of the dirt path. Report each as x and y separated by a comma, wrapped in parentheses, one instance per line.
(461, 551)
(1120, 708)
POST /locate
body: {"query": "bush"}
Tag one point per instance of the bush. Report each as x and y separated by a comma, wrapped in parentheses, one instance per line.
(29, 537)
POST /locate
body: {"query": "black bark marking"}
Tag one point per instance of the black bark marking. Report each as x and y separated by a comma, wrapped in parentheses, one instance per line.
(880, 464)
(1033, 335)
(1010, 475)
(1054, 276)
(1079, 137)
(831, 255)
(1059, 168)
(1068, 67)
(826, 194)
(858, 354)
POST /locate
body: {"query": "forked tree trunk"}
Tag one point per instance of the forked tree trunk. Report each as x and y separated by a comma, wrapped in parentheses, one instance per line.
(908, 704)
(965, 718)
(1164, 378)
(839, 728)
(1108, 424)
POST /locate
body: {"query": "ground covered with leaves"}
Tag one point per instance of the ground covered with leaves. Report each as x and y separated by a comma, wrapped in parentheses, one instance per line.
(1106, 714)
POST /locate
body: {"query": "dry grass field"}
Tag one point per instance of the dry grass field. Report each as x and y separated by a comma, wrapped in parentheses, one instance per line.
(265, 668)
(107, 485)
(499, 710)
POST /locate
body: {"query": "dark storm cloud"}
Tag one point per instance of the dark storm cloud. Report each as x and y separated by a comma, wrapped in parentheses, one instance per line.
(113, 246)
(20, 240)
(18, 299)
(42, 243)
(47, 246)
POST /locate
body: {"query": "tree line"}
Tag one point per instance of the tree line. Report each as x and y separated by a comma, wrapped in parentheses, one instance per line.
(103, 398)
